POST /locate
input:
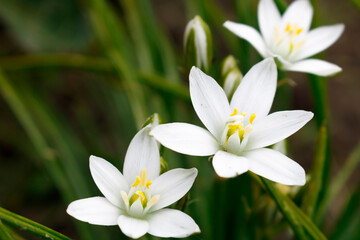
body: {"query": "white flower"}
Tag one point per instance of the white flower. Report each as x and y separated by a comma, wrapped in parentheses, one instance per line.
(288, 37)
(238, 132)
(135, 201)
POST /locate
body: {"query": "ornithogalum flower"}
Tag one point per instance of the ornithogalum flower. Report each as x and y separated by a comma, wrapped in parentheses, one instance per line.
(135, 201)
(289, 38)
(238, 132)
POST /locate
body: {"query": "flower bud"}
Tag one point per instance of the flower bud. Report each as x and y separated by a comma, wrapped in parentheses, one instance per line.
(231, 75)
(197, 44)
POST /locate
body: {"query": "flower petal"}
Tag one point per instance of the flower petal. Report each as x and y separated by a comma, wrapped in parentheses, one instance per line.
(172, 185)
(299, 12)
(209, 101)
(268, 17)
(94, 210)
(133, 227)
(275, 166)
(168, 223)
(186, 138)
(256, 91)
(318, 40)
(249, 34)
(108, 179)
(143, 152)
(276, 127)
(314, 66)
(228, 165)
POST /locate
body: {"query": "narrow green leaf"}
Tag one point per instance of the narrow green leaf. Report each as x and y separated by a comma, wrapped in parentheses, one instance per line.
(296, 218)
(348, 226)
(315, 184)
(5, 233)
(339, 183)
(30, 226)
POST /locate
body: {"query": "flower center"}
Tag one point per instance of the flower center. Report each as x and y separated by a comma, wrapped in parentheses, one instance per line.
(289, 37)
(140, 190)
(239, 125)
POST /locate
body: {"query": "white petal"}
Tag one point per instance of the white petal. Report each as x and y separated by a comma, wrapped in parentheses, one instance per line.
(275, 166)
(256, 91)
(133, 227)
(209, 101)
(142, 153)
(299, 12)
(228, 165)
(276, 127)
(94, 210)
(168, 223)
(172, 185)
(186, 138)
(108, 179)
(249, 34)
(318, 40)
(269, 17)
(314, 66)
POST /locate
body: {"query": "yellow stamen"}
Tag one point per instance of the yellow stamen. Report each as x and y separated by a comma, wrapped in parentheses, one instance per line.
(142, 180)
(153, 200)
(287, 29)
(241, 134)
(299, 31)
(125, 198)
(148, 183)
(252, 117)
(242, 114)
(137, 181)
(234, 113)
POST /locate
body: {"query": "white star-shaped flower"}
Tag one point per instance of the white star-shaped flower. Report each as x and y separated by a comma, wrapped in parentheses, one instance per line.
(289, 38)
(135, 201)
(238, 132)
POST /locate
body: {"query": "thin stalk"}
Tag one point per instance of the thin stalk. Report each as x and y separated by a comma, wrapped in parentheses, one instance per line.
(5, 233)
(338, 183)
(315, 184)
(30, 226)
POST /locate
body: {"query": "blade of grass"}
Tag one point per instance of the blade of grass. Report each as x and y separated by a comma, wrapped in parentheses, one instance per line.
(110, 32)
(296, 218)
(338, 183)
(348, 226)
(4, 232)
(315, 184)
(30, 226)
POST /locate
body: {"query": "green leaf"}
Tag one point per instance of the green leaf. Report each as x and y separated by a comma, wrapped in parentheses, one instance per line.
(316, 183)
(30, 226)
(296, 218)
(5, 233)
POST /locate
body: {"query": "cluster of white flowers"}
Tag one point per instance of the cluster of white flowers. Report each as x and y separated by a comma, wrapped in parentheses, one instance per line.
(237, 132)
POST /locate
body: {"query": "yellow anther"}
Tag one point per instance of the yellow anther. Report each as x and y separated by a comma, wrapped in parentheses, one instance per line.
(137, 181)
(234, 113)
(153, 200)
(125, 198)
(299, 31)
(242, 114)
(252, 117)
(143, 177)
(148, 183)
(241, 134)
(288, 27)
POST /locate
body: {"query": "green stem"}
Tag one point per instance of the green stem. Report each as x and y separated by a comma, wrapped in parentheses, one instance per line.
(296, 218)
(5, 233)
(30, 226)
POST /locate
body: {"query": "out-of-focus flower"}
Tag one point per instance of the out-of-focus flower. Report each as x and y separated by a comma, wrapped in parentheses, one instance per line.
(198, 44)
(231, 75)
(238, 132)
(135, 201)
(289, 38)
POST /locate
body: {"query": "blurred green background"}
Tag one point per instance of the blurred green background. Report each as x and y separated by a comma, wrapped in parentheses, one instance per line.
(78, 78)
